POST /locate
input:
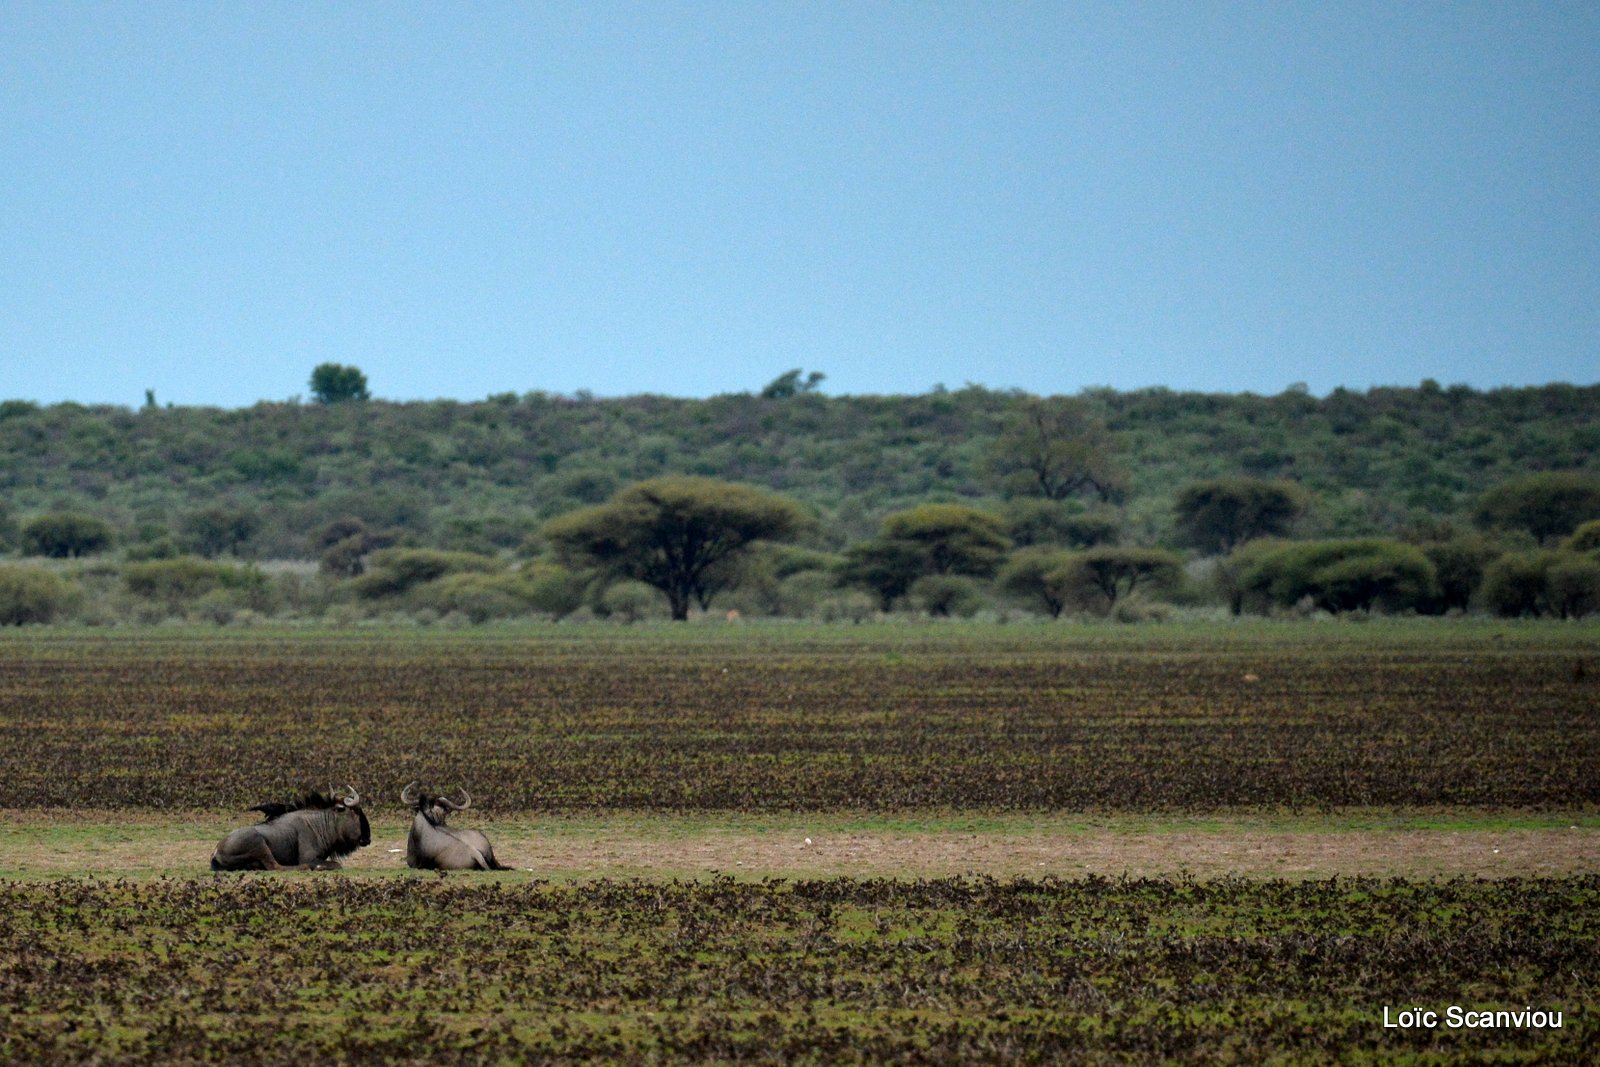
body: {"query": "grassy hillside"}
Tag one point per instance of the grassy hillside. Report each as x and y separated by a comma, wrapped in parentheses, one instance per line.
(482, 475)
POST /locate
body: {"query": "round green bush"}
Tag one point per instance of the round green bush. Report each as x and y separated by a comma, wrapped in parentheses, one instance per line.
(30, 595)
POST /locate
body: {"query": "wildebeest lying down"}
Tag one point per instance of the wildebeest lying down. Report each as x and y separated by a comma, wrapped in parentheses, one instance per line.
(433, 846)
(312, 833)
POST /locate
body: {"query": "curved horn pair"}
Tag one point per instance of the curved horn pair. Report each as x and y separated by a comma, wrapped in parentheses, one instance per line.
(409, 797)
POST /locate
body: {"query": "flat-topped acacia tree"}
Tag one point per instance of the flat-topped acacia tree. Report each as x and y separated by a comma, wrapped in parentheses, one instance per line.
(1219, 515)
(929, 540)
(677, 534)
(1549, 505)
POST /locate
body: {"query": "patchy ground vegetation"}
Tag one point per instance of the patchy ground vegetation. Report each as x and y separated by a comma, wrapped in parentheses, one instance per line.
(257, 970)
(398, 967)
(777, 719)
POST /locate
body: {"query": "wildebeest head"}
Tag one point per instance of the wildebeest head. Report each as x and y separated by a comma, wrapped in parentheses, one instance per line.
(351, 829)
(435, 807)
(351, 805)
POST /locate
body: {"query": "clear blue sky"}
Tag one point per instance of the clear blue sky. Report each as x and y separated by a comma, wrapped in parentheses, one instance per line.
(209, 199)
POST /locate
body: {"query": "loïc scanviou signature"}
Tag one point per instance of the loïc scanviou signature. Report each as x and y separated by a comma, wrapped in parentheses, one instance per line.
(1456, 1017)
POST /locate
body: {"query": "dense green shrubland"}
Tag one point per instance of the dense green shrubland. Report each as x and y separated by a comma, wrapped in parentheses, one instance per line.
(1374, 462)
(377, 492)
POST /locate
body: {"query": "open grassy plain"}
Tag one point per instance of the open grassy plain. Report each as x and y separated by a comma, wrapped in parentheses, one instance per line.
(1054, 843)
(784, 719)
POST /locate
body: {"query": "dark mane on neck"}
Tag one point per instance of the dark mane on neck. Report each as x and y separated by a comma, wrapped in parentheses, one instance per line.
(313, 801)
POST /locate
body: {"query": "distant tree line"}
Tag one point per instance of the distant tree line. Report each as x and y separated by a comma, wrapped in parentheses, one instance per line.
(792, 503)
(681, 543)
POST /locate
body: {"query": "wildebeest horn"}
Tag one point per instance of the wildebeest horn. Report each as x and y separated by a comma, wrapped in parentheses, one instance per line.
(408, 795)
(354, 799)
(466, 801)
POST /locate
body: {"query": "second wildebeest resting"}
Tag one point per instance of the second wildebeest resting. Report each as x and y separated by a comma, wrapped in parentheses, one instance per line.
(433, 846)
(314, 832)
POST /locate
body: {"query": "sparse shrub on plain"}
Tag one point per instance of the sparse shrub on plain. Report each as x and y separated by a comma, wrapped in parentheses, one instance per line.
(1517, 584)
(1339, 576)
(396, 571)
(345, 559)
(174, 580)
(1238, 577)
(302, 593)
(1136, 610)
(1544, 582)
(1548, 505)
(553, 590)
(781, 580)
(218, 530)
(30, 595)
(1043, 578)
(1458, 565)
(1574, 585)
(162, 547)
(629, 601)
(1585, 538)
(800, 594)
(885, 566)
(478, 597)
(64, 535)
(217, 606)
(927, 540)
(946, 595)
(180, 583)
(342, 615)
(846, 605)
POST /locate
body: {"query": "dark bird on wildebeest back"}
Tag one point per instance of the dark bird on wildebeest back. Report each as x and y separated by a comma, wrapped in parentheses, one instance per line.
(312, 833)
(270, 810)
